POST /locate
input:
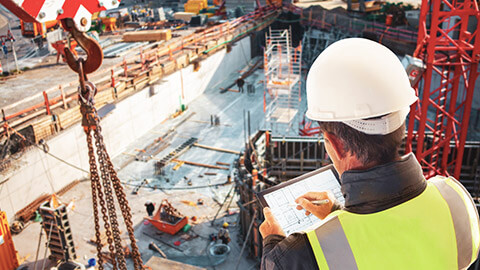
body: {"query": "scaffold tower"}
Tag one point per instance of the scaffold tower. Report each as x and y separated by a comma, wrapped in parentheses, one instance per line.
(282, 66)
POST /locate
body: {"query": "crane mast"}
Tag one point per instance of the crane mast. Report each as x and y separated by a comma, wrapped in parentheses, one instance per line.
(449, 46)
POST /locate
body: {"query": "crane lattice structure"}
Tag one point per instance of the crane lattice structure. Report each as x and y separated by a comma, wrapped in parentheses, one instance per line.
(282, 67)
(449, 46)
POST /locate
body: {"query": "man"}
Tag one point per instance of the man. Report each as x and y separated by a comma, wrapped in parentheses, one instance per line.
(240, 82)
(223, 234)
(392, 218)
(150, 207)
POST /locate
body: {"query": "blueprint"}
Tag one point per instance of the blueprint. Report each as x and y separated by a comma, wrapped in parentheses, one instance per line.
(291, 219)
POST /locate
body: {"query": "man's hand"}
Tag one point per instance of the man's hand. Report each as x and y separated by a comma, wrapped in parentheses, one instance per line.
(270, 225)
(320, 211)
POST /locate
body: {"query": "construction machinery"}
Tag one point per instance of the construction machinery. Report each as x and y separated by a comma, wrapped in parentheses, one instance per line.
(35, 29)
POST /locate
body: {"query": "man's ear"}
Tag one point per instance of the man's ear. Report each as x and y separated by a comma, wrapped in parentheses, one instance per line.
(337, 145)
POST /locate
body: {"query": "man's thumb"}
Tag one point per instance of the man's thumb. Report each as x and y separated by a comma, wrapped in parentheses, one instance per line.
(268, 214)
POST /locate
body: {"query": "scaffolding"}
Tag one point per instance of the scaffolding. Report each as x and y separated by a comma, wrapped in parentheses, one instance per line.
(282, 67)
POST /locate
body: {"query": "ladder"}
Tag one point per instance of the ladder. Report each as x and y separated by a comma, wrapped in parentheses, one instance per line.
(175, 153)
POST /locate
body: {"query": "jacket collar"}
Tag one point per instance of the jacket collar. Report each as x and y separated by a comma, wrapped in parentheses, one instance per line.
(382, 187)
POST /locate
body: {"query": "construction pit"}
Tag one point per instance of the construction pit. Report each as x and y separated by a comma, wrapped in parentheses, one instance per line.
(178, 127)
(182, 186)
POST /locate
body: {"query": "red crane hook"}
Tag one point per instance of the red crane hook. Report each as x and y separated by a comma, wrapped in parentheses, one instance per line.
(88, 44)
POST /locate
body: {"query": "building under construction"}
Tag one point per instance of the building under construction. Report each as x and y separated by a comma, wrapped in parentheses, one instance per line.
(139, 133)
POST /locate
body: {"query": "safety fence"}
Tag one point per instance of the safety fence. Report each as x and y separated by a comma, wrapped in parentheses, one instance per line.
(59, 108)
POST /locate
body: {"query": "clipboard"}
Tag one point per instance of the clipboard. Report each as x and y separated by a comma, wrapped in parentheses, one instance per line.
(280, 196)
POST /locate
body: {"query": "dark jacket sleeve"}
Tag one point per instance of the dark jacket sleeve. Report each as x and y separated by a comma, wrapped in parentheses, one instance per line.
(291, 253)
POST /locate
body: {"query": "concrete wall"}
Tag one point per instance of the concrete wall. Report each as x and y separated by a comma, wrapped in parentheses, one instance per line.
(38, 173)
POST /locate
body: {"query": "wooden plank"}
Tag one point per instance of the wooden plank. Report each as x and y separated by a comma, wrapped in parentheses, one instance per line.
(200, 164)
(157, 263)
(148, 35)
(217, 149)
(223, 163)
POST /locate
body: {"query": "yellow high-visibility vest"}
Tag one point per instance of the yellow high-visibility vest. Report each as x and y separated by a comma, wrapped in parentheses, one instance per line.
(439, 229)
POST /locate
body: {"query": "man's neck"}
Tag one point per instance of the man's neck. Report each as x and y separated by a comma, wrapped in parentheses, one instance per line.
(353, 163)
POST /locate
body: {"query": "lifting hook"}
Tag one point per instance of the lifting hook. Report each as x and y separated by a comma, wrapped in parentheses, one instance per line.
(88, 44)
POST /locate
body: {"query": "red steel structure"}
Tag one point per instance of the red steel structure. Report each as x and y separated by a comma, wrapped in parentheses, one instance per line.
(449, 45)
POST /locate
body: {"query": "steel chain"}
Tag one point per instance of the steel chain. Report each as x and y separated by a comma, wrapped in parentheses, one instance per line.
(104, 193)
(93, 182)
(106, 222)
(107, 188)
(126, 212)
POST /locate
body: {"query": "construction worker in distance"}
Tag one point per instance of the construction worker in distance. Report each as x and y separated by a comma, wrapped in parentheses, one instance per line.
(392, 217)
(150, 207)
(223, 234)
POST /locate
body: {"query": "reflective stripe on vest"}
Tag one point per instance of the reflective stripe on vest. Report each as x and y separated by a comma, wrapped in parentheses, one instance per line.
(467, 217)
(463, 232)
(330, 237)
(438, 229)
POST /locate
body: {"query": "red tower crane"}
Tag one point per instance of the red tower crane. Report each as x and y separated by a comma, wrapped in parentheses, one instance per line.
(449, 45)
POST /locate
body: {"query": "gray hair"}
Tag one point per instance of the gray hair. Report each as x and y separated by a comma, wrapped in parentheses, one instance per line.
(377, 149)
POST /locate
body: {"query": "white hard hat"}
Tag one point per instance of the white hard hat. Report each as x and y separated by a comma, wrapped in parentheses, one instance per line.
(354, 79)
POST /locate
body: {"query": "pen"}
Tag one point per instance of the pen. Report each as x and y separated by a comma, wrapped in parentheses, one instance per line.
(317, 202)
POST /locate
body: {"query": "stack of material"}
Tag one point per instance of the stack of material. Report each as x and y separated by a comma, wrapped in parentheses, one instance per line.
(44, 127)
(182, 61)
(28, 212)
(184, 16)
(67, 118)
(148, 35)
(195, 6)
(168, 67)
(104, 97)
